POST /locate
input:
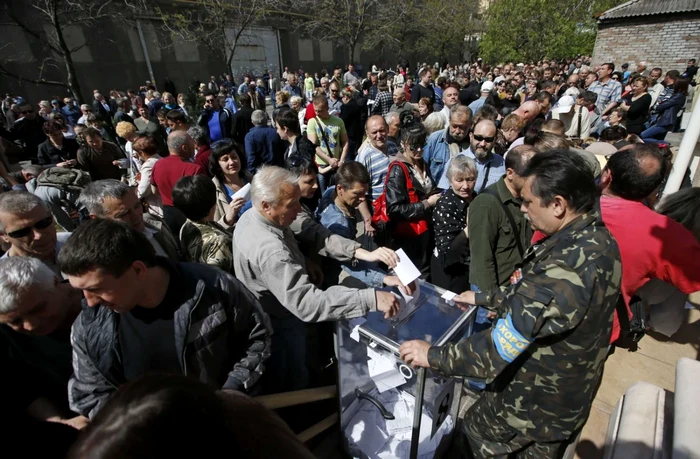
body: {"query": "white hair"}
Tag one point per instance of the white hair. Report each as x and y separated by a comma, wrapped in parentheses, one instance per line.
(390, 116)
(19, 203)
(460, 165)
(268, 183)
(434, 122)
(94, 195)
(259, 118)
(18, 275)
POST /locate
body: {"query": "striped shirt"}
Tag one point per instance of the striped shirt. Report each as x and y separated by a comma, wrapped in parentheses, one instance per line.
(377, 164)
(608, 92)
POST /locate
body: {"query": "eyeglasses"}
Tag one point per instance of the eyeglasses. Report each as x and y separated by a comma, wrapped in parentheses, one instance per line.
(24, 232)
(480, 138)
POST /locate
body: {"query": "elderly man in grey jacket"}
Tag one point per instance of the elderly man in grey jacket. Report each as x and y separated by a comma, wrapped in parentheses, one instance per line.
(269, 262)
(146, 313)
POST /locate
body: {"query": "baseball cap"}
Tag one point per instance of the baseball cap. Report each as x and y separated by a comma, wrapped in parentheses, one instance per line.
(564, 105)
(487, 86)
(498, 79)
(573, 92)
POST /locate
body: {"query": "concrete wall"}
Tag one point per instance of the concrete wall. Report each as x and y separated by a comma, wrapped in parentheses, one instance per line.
(662, 41)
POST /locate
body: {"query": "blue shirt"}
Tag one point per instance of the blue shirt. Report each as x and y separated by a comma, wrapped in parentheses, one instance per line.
(488, 172)
(72, 114)
(477, 104)
(230, 103)
(215, 127)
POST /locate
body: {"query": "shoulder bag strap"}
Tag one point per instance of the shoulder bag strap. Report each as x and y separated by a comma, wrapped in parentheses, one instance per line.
(323, 136)
(511, 220)
(579, 121)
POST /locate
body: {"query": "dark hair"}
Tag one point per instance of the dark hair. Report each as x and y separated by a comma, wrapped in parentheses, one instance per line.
(300, 165)
(590, 97)
(548, 84)
(516, 160)
(486, 112)
(352, 172)
(208, 92)
(613, 133)
(542, 96)
(92, 132)
(245, 100)
(162, 113)
(416, 134)
(559, 173)
(144, 143)
(629, 179)
(610, 65)
(106, 245)
(320, 99)
(684, 207)
(534, 129)
(92, 118)
(194, 196)
(176, 116)
(144, 417)
(51, 126)
(289, 119)
(681, 86)
(674, 74)
(221, 148)
(620, 75)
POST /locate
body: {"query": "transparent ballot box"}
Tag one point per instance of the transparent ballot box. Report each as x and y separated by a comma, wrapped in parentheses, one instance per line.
(379, 392)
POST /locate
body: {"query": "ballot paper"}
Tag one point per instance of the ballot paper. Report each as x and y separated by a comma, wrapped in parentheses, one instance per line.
(355, 328)
(244, 193)
(383, 371)
(449, 296)
(405, 269)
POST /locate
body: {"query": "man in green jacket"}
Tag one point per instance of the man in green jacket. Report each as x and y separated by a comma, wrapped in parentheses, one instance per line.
(544, 355)
(499, 233)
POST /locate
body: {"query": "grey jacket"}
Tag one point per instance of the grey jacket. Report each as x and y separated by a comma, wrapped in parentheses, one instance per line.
(268, 261)
(222, 337)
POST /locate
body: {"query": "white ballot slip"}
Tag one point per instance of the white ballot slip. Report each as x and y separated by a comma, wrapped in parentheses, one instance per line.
(449, 296)
(244, 193)
(405, 269)
(355, 328)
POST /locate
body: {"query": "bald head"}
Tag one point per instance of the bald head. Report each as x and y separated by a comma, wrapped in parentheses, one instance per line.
(528, 111)
(377, 130)
(181, 144)
(399, 96)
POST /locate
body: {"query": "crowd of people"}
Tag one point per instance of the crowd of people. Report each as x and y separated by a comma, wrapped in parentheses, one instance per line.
(146, 239)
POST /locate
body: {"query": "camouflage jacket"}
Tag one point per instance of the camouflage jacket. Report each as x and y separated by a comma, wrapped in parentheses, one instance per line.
(207, 243)
(544, 354)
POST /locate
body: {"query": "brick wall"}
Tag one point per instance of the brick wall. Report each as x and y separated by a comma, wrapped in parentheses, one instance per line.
(661, 41)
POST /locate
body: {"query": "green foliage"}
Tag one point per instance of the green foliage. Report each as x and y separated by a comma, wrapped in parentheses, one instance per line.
(530, 30)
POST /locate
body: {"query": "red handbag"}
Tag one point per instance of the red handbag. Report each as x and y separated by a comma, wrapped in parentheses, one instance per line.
(380, 216)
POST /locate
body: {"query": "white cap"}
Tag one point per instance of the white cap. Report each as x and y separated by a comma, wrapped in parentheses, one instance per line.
(521, 65)
(573, 92)
(487, 86)
(498, 79)
(564, 105)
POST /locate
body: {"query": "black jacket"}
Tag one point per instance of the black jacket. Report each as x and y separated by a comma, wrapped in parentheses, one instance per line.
(351, 114)
(100, 111)
(241, 124)
(224, 121)
(222, 338)
(305, 148)
(398, 204)
(50, 155)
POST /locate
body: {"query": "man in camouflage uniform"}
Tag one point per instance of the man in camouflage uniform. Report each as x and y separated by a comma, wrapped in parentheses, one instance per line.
(544, 355)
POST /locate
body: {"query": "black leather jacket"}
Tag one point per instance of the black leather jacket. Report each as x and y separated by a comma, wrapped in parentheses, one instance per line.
(398, 204)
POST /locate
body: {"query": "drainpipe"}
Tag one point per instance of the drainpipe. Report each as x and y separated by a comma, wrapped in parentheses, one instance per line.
(145, 53)
(279, 54)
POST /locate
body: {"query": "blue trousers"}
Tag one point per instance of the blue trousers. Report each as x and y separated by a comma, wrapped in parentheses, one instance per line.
(655, 134)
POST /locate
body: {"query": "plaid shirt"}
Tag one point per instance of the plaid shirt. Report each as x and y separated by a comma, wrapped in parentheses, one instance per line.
(608, 92)
(383, 103)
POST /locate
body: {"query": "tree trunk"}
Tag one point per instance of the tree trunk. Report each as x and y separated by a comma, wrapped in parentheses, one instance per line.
(353, 44)
(73, 82)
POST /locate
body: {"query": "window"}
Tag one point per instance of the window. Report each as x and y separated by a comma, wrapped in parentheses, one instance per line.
(306, 49)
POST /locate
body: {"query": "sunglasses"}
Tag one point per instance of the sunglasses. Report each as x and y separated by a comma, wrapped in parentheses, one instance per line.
(209, 101)
(479, 138)
(24, 112)
(415, 146)
(24, 232)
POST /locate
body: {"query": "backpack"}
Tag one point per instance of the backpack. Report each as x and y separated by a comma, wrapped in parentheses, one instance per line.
(69, 180)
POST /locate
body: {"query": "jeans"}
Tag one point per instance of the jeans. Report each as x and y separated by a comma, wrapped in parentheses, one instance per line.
(272, 99)
(655, 134)
(324, 180)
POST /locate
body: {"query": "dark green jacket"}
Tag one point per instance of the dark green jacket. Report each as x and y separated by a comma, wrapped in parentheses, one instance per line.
(544, 353)
(494, 252)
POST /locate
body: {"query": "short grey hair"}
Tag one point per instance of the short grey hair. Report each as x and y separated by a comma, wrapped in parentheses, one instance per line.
(85, 107)
(19, 275)
(176, 140)
(259, 118)
(19, 202)
(94, 195)
(460, 166)
(434, 122)
(324, 80)
(390, 116)
(156, 95)
(199, 135)
(462, 110)
(267, 184)
(295, 99)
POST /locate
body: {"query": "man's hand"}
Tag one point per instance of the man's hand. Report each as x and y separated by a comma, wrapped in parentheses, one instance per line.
(415, 353)
(386, 256)
(334, 163)
(369, 229)
(394, 281)
(78, 422)
(465, 300)
(387, 303)
(315, 272)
